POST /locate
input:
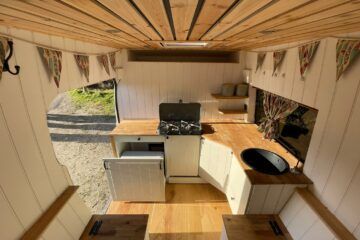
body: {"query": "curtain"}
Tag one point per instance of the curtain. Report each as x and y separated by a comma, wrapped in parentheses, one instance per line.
(103, 60)
(3, 49)
(306, 54)
(52, 59)
(83, 64)
(112, 60)
(346, 53)
(260, 60)
(278, 58)
(275, 108)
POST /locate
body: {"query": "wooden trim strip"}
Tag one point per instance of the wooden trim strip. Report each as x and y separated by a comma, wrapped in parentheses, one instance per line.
(35, 231)
(337, 228)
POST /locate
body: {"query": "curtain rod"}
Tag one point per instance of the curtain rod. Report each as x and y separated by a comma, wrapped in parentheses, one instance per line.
(53, 48)
(305, 43)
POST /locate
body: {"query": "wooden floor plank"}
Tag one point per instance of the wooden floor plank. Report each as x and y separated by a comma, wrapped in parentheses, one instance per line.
(191, 211)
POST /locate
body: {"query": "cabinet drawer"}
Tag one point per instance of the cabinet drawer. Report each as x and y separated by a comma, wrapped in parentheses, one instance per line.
(139, 138)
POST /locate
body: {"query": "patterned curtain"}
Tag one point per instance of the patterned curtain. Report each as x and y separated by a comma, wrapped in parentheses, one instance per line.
(260, 60)
(52, 60)
(112, 60)
(278, 58)
(103, 60)
(346, 52)
(306, 54)
(275, 108)
(3, 49)
(83, 64)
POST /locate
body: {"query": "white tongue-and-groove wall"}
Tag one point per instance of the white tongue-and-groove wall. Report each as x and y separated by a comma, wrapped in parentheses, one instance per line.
(333, 161)
(30, 176)
(147, 84)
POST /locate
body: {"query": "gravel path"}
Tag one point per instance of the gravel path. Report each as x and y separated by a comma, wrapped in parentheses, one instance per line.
(80, 142)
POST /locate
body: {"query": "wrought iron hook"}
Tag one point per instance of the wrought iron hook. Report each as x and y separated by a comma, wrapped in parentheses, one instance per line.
(6, 67)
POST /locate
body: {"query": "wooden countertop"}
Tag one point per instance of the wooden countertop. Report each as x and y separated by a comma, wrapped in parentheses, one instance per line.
(236, 135)
(245, 227)
(120, 227)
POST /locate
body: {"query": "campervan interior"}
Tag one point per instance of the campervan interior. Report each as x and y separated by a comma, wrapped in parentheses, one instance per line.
(235, 119)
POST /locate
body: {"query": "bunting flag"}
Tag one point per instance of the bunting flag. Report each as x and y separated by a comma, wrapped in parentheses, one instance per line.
(103, 60)
(346, 53)
(260, 60)
(3, 49)
(52, 60)
(278, 58)
(83, 64)
(112, 60)
(306, 54)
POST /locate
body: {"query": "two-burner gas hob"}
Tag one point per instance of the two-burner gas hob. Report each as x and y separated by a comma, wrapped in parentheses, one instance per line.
(179, 119)
(179, 128)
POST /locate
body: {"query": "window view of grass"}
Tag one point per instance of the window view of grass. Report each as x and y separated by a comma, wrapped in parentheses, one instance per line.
(99, 100)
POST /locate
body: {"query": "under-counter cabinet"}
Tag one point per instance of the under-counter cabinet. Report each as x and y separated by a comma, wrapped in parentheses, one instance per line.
(215, 162)
(238, 188)
(182, 156)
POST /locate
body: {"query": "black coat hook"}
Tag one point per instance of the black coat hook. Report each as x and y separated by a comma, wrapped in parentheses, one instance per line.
(6, 67)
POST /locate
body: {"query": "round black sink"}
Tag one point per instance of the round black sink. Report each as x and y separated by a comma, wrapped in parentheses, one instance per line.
(265, 161)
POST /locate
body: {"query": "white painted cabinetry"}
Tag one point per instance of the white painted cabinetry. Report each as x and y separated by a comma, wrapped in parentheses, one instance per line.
(238, 188)
(215, 162)
(136, 176)
(182, 156)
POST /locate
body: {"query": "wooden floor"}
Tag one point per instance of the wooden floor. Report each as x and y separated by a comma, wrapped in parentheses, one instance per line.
(191, 211)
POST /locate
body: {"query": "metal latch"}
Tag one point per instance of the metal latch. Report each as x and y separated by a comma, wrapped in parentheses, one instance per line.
(106, 165)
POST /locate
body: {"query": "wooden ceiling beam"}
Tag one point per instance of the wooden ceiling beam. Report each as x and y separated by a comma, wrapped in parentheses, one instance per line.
(265, 14)
(211, 11)
(182, 13)
(155, 12)
(36, 27)
(332, 13)
(305, 36)
(307, 10)
(74, 14)
(129, 13)
(24, 8)
(239, 12)
(92, 8)
(319, 26)
(8, 15)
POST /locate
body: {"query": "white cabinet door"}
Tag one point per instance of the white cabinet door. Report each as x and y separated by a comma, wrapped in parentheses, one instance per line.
(238, 188)
(215, 161)
(136, 180)
(182, 156)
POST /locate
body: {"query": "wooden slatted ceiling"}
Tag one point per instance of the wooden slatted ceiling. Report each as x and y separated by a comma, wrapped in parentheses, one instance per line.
(211, 11)
(225, 24)
(182, 14)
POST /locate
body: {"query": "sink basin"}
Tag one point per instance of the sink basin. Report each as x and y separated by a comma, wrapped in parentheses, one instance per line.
(265, 161)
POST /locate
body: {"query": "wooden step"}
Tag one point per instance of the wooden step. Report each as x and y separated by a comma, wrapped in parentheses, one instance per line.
(35, 231)
(337, 228)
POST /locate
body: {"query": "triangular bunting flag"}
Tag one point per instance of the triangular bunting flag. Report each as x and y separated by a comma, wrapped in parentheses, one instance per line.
(306, 54)
(112, 60)
(103, 60)
(278, 58)
(260, 60)
(346, 52)
(52, 60)
(3, 49)
(83, 64)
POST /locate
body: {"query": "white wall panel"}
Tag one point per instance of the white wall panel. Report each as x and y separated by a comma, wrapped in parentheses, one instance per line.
(30, 176)
(333, 160)
(147, 84)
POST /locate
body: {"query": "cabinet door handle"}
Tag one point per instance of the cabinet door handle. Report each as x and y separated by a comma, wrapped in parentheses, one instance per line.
(232, 198)
(139, 139)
